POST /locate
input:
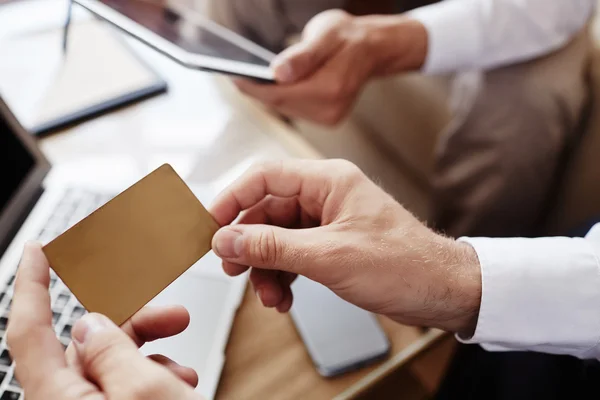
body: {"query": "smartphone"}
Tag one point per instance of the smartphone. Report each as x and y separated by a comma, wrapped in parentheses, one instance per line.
(186, 35)
(339, 336)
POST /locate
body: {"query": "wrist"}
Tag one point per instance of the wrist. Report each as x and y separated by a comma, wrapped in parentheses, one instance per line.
(454, 286)
(395, 43)
(466, 286)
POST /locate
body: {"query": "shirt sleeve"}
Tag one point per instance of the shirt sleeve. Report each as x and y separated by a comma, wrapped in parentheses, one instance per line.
(484, 34)
(540, 294)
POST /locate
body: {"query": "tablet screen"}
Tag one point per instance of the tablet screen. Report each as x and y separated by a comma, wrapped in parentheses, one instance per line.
(182, 23)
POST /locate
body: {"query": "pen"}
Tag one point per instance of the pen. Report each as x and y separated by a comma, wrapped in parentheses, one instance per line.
(67, 25)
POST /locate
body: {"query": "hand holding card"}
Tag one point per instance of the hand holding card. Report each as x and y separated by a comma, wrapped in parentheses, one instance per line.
(125, 253)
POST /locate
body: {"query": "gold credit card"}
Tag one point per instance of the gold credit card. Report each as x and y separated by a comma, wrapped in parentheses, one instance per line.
(129, 250)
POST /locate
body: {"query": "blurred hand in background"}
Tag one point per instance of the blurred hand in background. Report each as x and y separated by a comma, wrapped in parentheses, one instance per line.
(320, 77)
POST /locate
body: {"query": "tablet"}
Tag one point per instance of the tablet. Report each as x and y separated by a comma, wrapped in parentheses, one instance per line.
(185, 35)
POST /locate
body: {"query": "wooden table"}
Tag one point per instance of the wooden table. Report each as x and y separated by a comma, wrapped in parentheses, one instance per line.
(209, 133)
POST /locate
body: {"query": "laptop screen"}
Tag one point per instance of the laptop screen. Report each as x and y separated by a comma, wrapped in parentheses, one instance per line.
(22, 170)
(15, 163)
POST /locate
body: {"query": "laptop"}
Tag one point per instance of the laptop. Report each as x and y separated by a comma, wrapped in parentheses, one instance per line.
(33, 207)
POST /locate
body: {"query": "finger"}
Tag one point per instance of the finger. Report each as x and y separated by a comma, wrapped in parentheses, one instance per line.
(306, 179)
(111, 359)
(266, 286)
(186, 374)
(305, 58)
(305, 92)
(311, 71)
(320, 40)
(232, 269)
(321, 99)
(327, 96)
(328, 113)
(273, 288)
(147, 325)
(271, 95)
(284, 212)
(279, 211)
(286, 301)
(31, 338)
(152, 323)
(287, 278)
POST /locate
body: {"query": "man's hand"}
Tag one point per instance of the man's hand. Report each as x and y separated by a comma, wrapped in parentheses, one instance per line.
(327, 221)
(105, 362)
(320, 78)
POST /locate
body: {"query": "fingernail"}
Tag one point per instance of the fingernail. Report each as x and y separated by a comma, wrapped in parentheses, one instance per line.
(228, 243)
(284, 73)
(32, 244)
(87, 326)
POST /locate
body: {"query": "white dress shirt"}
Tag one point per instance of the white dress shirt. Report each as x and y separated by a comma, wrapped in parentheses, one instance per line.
(540, 294)
(483, 34)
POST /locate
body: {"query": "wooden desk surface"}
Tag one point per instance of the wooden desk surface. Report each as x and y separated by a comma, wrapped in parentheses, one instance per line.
(266, 359)
(209, 133)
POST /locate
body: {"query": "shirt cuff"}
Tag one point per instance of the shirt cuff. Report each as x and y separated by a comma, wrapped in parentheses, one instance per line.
(453, 36)
(539, 295)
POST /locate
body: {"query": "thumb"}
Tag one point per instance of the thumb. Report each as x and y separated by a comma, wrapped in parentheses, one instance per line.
(112, 360)
(321, 39)
(304, 58)
(264, 246)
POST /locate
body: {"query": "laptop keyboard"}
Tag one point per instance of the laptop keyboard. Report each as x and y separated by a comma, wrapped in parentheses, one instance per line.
(75, 205)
